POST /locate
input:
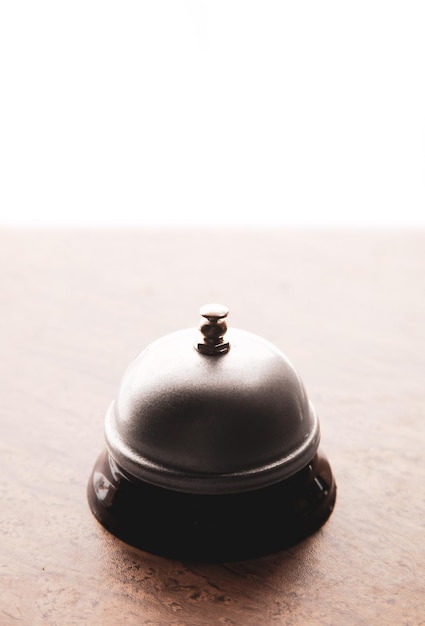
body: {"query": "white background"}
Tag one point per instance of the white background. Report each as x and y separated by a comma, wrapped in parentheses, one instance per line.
(223, 113)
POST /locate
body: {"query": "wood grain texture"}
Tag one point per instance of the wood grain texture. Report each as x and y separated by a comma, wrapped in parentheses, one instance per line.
(347, 308)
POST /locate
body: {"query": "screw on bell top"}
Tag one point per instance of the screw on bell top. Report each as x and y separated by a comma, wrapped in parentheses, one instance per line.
(213, 329)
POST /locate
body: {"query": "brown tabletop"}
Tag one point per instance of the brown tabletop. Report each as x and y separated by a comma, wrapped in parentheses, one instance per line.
(347, 308)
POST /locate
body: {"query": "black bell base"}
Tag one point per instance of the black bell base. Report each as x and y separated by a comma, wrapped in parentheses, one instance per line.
(212, 528)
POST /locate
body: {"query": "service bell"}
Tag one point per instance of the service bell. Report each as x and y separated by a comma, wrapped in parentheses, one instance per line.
(212, 449)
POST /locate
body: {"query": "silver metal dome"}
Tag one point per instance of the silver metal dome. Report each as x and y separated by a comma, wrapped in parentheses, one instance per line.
(213, 413)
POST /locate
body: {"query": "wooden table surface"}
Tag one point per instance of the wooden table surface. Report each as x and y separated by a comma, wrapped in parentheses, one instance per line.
(348, 309)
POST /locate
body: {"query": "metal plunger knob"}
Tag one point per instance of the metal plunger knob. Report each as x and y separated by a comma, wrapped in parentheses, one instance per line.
(213, 329)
